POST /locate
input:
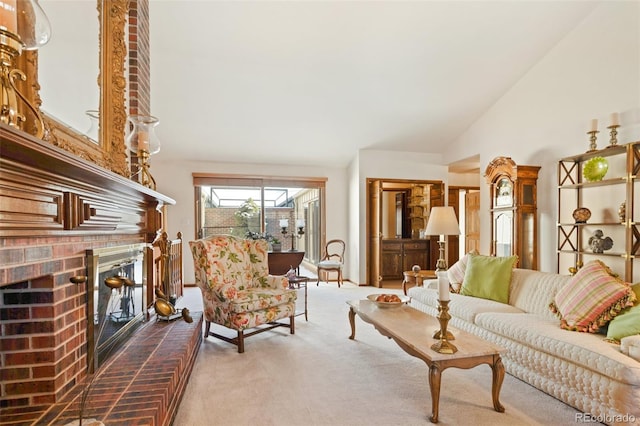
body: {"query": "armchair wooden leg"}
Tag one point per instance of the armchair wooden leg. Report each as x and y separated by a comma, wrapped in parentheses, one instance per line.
(207, 328)
(292, 327)
(240, 341)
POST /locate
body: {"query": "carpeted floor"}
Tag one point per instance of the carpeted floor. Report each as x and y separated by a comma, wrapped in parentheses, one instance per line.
(320, 377)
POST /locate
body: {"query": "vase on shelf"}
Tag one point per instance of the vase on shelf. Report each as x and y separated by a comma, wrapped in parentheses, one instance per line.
(581, 214)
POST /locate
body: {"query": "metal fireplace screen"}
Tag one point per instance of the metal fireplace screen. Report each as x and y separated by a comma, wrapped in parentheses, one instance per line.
(116, 298)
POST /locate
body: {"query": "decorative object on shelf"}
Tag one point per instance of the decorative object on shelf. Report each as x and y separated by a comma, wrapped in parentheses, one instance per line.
(595, 169)
(23, 26)
(622, 211)
(442, 221)
(599, 243)
(613, 129)
(284, 224)
(581, 214)
(143, 143)
(593, 146)
(443, 345)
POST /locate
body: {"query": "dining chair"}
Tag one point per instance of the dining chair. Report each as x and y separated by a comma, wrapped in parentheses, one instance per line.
(332, 260)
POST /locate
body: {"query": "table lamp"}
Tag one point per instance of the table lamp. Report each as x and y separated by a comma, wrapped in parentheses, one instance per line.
(442, 221)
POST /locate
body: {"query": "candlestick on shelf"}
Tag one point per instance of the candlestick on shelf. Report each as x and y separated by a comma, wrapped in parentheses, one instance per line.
(593, 138)
(615, 119)
(443, 345)
(613, 128)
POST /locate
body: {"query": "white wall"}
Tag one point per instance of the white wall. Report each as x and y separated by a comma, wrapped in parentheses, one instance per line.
(594, 71)
(174, 179)
(390, 165)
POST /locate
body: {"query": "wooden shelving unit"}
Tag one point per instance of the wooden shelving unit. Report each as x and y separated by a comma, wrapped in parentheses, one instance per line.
(603, 198)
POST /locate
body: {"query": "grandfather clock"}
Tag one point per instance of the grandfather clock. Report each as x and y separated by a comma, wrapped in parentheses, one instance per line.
(514, 219)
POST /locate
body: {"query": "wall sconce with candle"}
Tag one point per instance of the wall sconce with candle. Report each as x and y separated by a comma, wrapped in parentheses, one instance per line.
(143, 143)
(23, 26)
(284, 224)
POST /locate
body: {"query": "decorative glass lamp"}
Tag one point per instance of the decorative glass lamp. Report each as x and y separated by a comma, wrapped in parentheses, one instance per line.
(442, 221)
(23, 26)
(143, 142)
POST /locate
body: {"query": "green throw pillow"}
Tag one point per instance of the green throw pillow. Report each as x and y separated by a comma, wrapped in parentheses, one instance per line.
(488, 277)
(627, 322)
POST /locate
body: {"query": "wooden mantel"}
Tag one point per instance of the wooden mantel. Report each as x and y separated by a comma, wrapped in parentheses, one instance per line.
(49, 191)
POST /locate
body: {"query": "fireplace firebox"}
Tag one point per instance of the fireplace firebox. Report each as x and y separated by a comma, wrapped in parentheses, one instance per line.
(117, 303)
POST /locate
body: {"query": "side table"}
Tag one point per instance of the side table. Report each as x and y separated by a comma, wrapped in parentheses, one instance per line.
(413, 278)
(301, 281)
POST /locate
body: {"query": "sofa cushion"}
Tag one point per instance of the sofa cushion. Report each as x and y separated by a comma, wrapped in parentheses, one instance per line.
(464, 307)
(627, 322)
(589, 351)
(592, 298)
(253, 299)
(488, 277)
(532, 291)
(456, 272)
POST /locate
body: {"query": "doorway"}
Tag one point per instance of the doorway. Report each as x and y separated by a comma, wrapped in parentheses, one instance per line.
(397, 214)
(465, 200)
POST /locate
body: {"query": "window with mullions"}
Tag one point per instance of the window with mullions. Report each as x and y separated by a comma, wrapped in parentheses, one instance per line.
(285, 212)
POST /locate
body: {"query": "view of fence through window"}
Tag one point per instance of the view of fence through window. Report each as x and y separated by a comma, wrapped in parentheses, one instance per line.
(264, 212)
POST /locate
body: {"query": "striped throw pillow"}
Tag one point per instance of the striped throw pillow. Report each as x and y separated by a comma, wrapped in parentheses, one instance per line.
(592, 298)
(456, 272)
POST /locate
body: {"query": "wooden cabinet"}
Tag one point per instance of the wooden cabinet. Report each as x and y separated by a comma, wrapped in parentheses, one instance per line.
(605, 218)
(514, 221)
(399, 255)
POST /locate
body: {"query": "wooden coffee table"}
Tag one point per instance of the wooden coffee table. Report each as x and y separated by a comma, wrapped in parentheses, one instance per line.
(412, 330)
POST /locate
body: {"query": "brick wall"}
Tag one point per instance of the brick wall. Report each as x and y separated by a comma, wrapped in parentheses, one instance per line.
(139, 58)
(43, 315)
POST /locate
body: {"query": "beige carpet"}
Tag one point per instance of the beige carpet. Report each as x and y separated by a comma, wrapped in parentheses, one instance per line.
(320, 377)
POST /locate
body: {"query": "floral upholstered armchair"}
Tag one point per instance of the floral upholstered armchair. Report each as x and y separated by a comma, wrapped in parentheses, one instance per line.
(237, 290)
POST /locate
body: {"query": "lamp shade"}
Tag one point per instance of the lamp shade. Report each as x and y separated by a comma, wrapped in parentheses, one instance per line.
(442, 221)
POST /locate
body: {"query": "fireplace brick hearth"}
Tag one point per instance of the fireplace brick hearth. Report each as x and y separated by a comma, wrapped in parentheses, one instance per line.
(142, 383)
(55, 207)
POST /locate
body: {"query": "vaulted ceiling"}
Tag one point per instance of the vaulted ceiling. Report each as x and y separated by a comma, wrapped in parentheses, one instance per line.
(313, 82)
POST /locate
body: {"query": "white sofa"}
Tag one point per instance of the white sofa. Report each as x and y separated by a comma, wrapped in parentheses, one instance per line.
(581, 369)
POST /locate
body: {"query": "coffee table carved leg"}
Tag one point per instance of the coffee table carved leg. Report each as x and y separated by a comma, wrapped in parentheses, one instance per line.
(434, 384)
(352, 321)
(498, 377)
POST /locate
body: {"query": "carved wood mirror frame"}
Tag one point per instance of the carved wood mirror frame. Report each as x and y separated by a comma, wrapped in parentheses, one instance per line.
(110, 151)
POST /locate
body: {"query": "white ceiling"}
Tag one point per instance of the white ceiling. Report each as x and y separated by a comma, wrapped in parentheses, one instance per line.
(313, 82)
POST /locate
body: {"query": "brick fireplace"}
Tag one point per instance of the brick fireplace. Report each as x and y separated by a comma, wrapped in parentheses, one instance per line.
(55, 207)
